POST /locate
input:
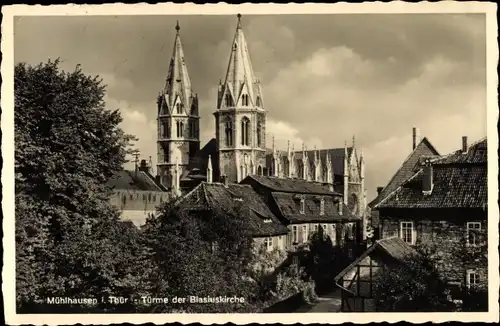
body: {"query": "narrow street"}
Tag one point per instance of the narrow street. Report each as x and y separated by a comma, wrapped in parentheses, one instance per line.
(326, 303)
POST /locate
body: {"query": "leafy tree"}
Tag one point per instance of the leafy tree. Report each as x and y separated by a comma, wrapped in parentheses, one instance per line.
(321, 261)
(412, 286)
(200, 253)
(67, 146)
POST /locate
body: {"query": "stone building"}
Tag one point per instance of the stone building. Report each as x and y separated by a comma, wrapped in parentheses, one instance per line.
(239, 146)
(137, 194)
(443, 206)
(420, 148)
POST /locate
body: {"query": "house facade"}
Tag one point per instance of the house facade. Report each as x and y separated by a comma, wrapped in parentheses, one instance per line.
(358, 280)
(443, 207)
(136, 194)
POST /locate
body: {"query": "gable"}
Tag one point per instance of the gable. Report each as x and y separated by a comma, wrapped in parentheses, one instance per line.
(406, 170)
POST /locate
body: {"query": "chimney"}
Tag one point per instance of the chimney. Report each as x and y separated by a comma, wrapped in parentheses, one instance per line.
(143, 166)
(427, 180)
(416, 137)
(224, 180)
(379, 190)
(465, 147)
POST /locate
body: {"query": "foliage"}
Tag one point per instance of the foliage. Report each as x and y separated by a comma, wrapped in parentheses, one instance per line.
(412, 286)
(201, 253)
(321, 261)
(67, 146)
(475, 299)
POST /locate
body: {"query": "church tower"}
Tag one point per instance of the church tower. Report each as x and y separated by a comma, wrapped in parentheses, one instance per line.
(177, 120)
(240, 118)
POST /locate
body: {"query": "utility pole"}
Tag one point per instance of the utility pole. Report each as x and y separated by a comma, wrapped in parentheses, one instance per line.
(135, 153)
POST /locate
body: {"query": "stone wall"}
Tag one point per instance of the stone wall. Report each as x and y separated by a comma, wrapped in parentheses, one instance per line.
(447, 244)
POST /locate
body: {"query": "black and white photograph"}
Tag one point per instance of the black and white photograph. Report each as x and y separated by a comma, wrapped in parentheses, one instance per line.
(179, 161)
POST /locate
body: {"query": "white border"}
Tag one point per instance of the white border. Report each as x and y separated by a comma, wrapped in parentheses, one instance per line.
(7, 103)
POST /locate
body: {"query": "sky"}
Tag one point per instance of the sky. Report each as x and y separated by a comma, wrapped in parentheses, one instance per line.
(325, 78)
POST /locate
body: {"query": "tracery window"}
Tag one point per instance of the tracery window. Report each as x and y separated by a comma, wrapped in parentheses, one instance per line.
(245, 131)
(229, 132)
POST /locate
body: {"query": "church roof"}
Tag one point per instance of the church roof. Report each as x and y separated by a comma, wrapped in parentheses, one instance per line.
(217, 195)
(197, 167)
(407, 168)
(178, 83)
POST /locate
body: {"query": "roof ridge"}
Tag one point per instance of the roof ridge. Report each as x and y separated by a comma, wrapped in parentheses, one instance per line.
(403, 163)
(398, 188)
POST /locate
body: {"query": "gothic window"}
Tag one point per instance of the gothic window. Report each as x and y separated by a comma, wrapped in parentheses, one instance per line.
(162, 130)
(166, 154)
(245, 131)
(229, 132)
(259, 170)
(258, 101)
(179, 108)
(259, 132)
(244, 100)
(228, 99)
(353, 204)
(180, 128)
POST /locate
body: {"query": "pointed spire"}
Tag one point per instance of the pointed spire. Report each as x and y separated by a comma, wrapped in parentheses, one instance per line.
(178, 81)
(353, 140)
(240, 76)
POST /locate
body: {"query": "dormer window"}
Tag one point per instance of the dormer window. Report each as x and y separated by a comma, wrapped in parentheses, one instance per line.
(322, 207)
(302, 205)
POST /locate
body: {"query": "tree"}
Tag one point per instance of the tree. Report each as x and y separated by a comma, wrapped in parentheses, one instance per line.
(321, 261)
(412, 286)
(67, 146)
(202, 253)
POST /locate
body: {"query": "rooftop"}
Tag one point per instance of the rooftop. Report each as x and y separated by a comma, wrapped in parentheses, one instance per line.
(292, 185)
(134, 180)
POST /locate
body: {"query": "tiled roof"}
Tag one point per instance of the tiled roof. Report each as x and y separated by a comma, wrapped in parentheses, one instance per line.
(209, 195)
(407, 169)
(477, 153)
(129, 180)
(292, 185)
(454, 187)
(393, 248)
(289, 206)
(459, 181)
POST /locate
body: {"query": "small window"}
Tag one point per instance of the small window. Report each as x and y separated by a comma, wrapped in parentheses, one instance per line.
(316, 228)
(124, 199)
(325, 229)
(149, 197)
(268, 244)
(473, 278)
(407, 232)
(295, 234)
(302, 206)
(473, 233)
(304, 233)
(179, 108)
(322, 207)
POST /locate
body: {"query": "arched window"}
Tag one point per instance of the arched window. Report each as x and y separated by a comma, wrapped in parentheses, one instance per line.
(258, 100)
(353, 204)
(245, 131)
(228, 99)
(244, 100)
(229, 132)
(259, 170)
(179, 108)
(259, 132)
(180, 128)
(302, 205)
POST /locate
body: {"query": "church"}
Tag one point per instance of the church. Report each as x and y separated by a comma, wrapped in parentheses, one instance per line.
(239, 146)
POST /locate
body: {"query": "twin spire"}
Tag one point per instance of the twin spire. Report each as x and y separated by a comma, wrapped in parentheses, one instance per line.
(240, 85)
(178, 84)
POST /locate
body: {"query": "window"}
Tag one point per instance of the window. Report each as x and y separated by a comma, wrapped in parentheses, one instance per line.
(295, 234)
(245, 131)
(179, 108)
(316, 227)
(228, 100)
(258, 101)
(229, 132)
(333, 235)
(166, 154)
(268, 244)
(322, 207)
(304, 233)
(325, 230)
(259, 132)
(473, 230)
(124, 199)
(407, 232)
(244, 100)
(302, 206)
(472, 278)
